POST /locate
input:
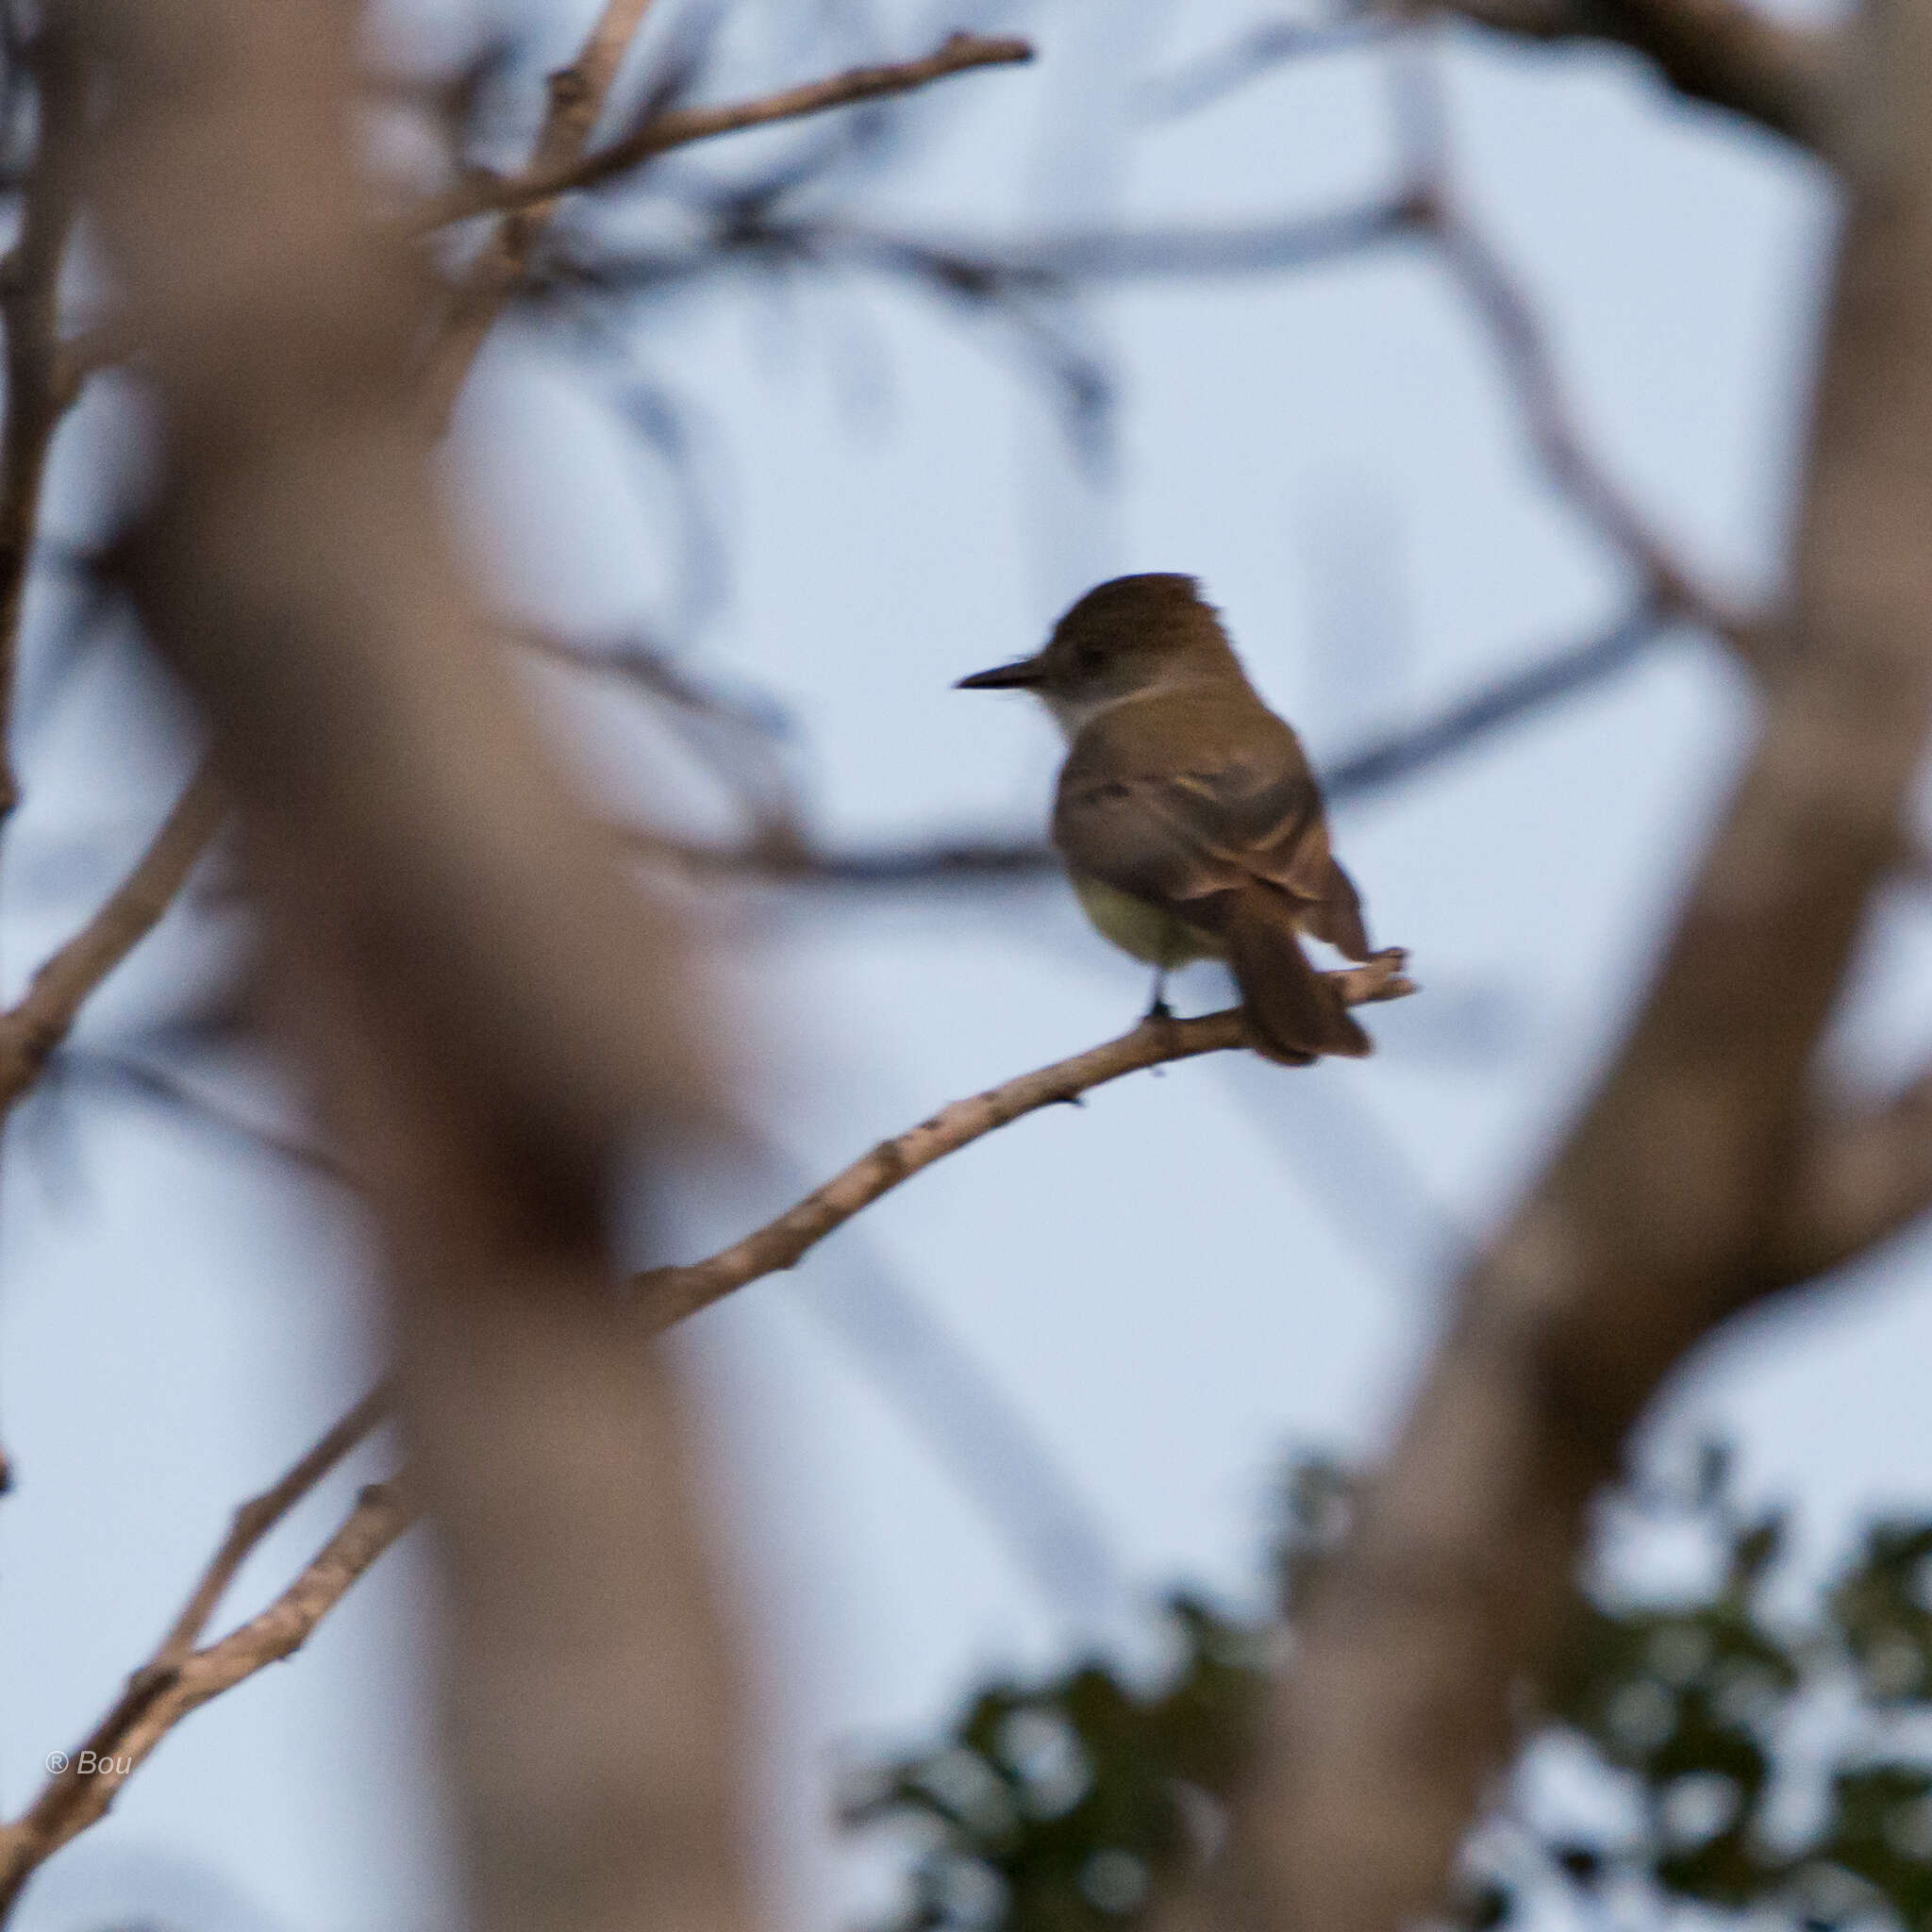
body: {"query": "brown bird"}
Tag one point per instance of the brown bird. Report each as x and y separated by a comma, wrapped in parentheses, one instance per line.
(1189, 821)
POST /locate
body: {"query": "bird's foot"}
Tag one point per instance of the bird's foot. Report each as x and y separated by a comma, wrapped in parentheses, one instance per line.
(1157, 1007)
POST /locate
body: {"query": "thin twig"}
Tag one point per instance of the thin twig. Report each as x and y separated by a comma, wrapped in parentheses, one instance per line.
(255, 1518)
(80, 1793)
(959, 53)
(739, 734)
(577, 93)
(1404, 754)
(42, 1018)
(676, 1292)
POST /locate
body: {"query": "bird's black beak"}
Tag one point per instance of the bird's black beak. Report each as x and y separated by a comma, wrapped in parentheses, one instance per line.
(1003, 676)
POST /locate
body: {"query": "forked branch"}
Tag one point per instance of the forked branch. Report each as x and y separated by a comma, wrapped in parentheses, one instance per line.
(176, 1682)
(959, 53)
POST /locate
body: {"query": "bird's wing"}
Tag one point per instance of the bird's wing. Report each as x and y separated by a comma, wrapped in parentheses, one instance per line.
(1237, 804)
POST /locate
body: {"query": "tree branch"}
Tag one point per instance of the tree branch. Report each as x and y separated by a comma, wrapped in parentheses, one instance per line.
(255, 1518)
(984, 268)
(1648, 1231)
(177, 1679)
(577, 93)
(959, 53)
(43, 1018)
(674, 1292)
(175, 1683)
(1387, 760)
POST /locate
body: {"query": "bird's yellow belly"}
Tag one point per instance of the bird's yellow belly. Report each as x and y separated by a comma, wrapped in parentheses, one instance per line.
(1139, 926)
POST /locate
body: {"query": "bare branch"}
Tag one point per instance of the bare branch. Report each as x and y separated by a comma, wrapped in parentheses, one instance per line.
(674, 1292)
(1722, 53)
(166, 1690)
(255, 1518)
(789, 861)
(42, 1018)
(959, 53)
(577, 93)
(739, 734)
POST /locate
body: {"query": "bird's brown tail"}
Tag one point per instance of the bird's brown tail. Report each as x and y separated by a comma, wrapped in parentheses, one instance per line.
(1294, 1010)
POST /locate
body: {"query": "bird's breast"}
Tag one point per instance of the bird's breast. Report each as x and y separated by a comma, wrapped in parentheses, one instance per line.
(1149, 932)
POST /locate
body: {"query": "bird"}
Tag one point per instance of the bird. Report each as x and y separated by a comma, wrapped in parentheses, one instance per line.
(1187, 812)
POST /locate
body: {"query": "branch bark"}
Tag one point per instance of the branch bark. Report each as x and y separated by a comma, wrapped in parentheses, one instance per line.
(255, 1518)
(672, 1293)
(174, 1683)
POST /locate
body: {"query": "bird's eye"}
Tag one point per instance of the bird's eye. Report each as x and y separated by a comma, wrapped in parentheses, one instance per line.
(1090, 657)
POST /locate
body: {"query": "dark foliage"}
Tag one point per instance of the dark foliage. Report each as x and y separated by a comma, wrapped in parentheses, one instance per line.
(1063, 1804)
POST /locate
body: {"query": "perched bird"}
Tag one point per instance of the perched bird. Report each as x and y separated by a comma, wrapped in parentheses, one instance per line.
(1191, 823)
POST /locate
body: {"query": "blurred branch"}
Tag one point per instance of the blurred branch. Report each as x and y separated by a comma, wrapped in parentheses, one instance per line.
(1860, 1179)
(1456, 1581)
(1510, 698)
(1723, 53)
(1509, 317)
(178, 1681)
(1387, 760)
(986, 268)
(42, 1018)
(504, 1025)
(680, 126)
(739, 734)
(672, 1293)
(30, 309)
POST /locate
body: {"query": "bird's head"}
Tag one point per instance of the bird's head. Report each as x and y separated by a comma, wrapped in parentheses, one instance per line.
(1122, 639)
